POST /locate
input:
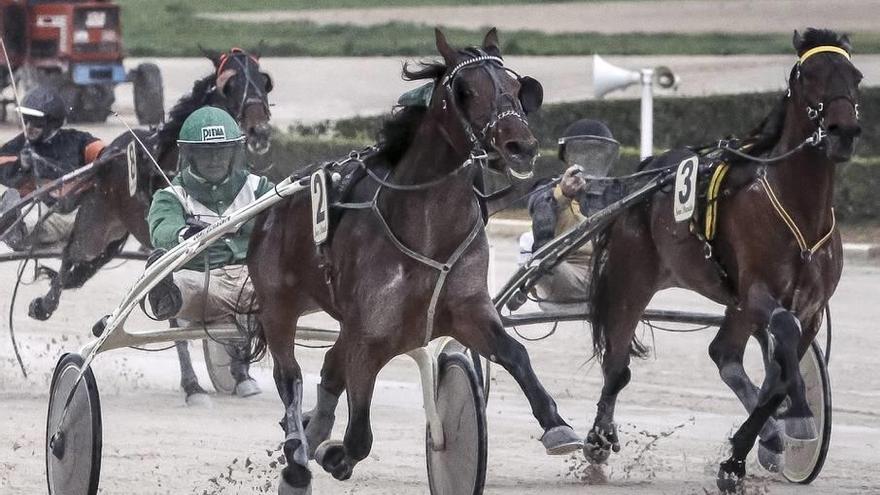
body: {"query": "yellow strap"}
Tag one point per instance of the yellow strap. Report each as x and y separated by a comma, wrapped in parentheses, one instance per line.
(712, 200)
(790, 223)
(823, 49)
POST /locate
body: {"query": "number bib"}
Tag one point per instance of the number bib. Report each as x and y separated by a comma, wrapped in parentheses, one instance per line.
(320, 221)
(131, 154)
(685, 189)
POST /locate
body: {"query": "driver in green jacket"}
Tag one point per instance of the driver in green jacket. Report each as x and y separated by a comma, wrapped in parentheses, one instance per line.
(212, 182)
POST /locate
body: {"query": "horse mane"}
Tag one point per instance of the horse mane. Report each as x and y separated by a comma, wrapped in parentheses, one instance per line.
(767, 134)
(186, 105)
(399, 130)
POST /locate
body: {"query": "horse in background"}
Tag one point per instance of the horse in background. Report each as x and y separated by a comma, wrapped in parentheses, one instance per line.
(114, 207)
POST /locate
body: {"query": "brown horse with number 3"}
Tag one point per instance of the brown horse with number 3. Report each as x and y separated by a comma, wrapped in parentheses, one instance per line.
(774, 263)
(381, 263)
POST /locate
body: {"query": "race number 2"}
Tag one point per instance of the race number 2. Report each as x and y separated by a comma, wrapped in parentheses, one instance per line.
(685, 189)
(320, 222)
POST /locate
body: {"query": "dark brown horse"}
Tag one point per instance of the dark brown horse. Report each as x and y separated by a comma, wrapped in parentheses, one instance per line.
(774, 279)
(378, 274)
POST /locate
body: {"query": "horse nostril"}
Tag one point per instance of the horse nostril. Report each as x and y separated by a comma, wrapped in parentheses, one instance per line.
(846, 131)
(524, 148)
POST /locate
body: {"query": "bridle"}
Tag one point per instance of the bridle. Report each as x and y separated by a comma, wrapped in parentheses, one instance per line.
(252, 93)
(816, 110)
(504, 106)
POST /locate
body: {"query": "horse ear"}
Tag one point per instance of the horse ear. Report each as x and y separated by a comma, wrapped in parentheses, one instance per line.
(213, 55)
(797, 40)
(443, 47)
(490, 42)
(845, 43)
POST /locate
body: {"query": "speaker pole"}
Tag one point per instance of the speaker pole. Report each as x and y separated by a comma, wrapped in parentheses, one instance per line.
(646, 147)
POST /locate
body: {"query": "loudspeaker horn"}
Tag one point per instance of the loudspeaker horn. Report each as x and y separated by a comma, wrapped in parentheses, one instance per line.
(665, 78)
(608, 77)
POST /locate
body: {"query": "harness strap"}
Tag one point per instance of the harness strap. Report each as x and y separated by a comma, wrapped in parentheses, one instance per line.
(806, 250)
(443, 268)
(712, 200)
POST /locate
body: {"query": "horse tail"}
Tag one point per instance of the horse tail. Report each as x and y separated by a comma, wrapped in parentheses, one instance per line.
(598, 291)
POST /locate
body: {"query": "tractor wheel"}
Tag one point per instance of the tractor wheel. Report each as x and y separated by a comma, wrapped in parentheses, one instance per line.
(149, 97)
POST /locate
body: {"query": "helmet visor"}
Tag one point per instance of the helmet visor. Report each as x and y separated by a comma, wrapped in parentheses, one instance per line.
(595, 154)
(213, 162)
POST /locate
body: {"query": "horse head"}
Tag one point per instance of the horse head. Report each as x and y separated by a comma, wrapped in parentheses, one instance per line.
(826, 84)
(488, 103)
(242, 89)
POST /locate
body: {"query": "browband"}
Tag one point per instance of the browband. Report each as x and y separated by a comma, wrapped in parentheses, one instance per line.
(226, 56)
(823, 49)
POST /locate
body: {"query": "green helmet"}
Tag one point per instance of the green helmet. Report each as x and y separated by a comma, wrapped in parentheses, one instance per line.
(211, 144)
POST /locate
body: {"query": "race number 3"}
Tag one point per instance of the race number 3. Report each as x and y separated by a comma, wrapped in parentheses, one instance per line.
(320, 222)
(685, 189)
(131, 154)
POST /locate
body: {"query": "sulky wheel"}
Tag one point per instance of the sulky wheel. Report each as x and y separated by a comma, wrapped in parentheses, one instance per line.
(73, 441)
(459, 468)
(218, 361)
(482, 366)
(804, 459)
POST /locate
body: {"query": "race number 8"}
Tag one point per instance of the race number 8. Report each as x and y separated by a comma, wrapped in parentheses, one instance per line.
(685, 189)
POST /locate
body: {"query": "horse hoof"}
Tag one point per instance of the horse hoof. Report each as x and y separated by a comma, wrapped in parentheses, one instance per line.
(199, 400)
(561, 440)
(771, 454)
(330, 455)
(37, 310)
(596, 454)
(318, 429)
(284, 488)
(800, 428)
(247, 388)
(296, 479)
(730, 476)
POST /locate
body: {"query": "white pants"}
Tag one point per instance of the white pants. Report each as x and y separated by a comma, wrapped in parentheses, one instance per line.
(42, 230)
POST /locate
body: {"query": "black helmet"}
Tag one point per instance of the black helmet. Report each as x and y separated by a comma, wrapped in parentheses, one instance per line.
(43, 108)
(589, 144)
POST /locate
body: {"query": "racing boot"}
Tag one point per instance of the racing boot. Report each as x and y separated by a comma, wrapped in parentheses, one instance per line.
(165, 299)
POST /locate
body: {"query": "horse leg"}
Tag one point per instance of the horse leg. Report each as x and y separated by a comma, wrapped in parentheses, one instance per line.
(726, 350)
(783, 335)
(362, 363)
(279, 328)
(195, 394)
(487, 336)
(77, 267)
(319, 421)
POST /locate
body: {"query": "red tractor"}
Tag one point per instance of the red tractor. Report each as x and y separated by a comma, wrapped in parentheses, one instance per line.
(75, 46)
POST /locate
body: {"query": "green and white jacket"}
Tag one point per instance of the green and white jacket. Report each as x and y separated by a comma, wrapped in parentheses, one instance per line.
(208, 203)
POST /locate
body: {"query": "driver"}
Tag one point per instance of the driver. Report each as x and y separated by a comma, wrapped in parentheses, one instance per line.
(589, 150)
(212, 182)
(43, 152)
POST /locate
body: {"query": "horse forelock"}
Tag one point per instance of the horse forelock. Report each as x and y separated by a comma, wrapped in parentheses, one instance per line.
(813, 37)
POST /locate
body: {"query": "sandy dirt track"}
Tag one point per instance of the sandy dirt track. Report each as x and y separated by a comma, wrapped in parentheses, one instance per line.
(682, 16)
(153, 444)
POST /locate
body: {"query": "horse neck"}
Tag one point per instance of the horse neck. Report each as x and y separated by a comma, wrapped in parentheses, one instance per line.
(437, 218)
(804, 182)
